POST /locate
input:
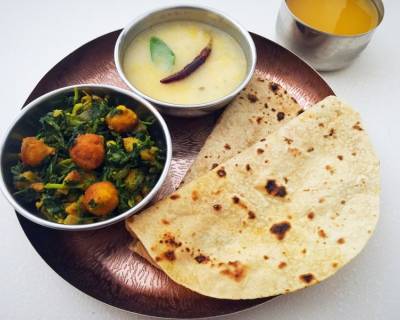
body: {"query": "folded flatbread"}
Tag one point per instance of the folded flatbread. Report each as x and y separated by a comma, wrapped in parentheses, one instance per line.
(286, 213)
(260, 109)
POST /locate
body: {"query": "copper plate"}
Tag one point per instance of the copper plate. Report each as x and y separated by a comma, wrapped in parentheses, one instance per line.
(99, 262)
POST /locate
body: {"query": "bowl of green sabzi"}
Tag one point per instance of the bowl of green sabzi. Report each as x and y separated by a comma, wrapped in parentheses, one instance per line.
(84, 157)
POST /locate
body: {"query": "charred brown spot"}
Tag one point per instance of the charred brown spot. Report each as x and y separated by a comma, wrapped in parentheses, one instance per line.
(214, 165)
(202, 258)
(248, 168)
(235, 199)
(340, 241)
(280, 229)
(334, 264)
(260, 151)
(251, 215)
(311, 149)
(330, 169)
(343, 202)
(175, 196)
(310, 215)
(217, 207)
(221, 172)
(300, 112)
(307, 278)
(266, 257)
(288, 140)
(321, 200)
(340, 157)
(321, 125)
(252, 97)
(234, 270)
(187, 249)
(330, 134)
(260, 79)
(304, 251)
(280, 116)
(170, 241)
(258, 120)
(266, 105)
(169, 255)
(158, 259)
(354, 154)
(294, 152)
(274, 87)
(322, 233)
(357, 126)
(195, 195)
(164, 221)
(282, 265)
(274, 190)
(227, 146)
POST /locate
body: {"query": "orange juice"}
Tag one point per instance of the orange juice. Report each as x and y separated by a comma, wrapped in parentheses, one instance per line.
(340, 17)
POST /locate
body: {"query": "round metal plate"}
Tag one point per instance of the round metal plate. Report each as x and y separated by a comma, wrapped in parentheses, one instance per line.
(99, 262)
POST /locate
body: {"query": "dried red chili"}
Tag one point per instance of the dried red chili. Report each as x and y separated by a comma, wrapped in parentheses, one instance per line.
(190, 67)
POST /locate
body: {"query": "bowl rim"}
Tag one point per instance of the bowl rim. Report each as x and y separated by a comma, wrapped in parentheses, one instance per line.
(178, 106)
(96, 225)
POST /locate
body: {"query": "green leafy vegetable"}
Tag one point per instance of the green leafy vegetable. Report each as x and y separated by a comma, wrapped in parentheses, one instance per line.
(161, 54)
(47, 186)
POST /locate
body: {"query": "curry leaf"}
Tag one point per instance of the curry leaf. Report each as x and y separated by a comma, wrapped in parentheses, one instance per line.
(161, 54)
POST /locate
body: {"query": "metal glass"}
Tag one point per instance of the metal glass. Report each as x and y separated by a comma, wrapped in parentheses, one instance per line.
(324, 51)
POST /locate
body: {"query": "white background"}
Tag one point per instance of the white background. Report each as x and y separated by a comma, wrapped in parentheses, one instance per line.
(35, 35)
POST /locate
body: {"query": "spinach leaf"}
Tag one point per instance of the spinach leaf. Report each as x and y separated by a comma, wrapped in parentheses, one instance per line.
(46, 187)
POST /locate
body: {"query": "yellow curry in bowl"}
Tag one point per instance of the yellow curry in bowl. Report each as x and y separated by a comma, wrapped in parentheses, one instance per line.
(185, 62)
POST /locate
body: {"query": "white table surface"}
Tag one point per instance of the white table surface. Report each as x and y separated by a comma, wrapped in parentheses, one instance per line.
(35, 35)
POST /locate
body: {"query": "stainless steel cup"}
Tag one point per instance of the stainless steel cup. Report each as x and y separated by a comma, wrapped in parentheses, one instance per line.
(324, 51)
(194, 13)
(27, 124)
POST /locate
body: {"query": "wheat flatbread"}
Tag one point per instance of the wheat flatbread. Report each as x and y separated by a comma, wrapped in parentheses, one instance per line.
(261, 108)
(284, 214)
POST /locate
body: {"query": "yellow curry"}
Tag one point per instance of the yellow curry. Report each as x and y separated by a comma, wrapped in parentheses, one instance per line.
(181, 43)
